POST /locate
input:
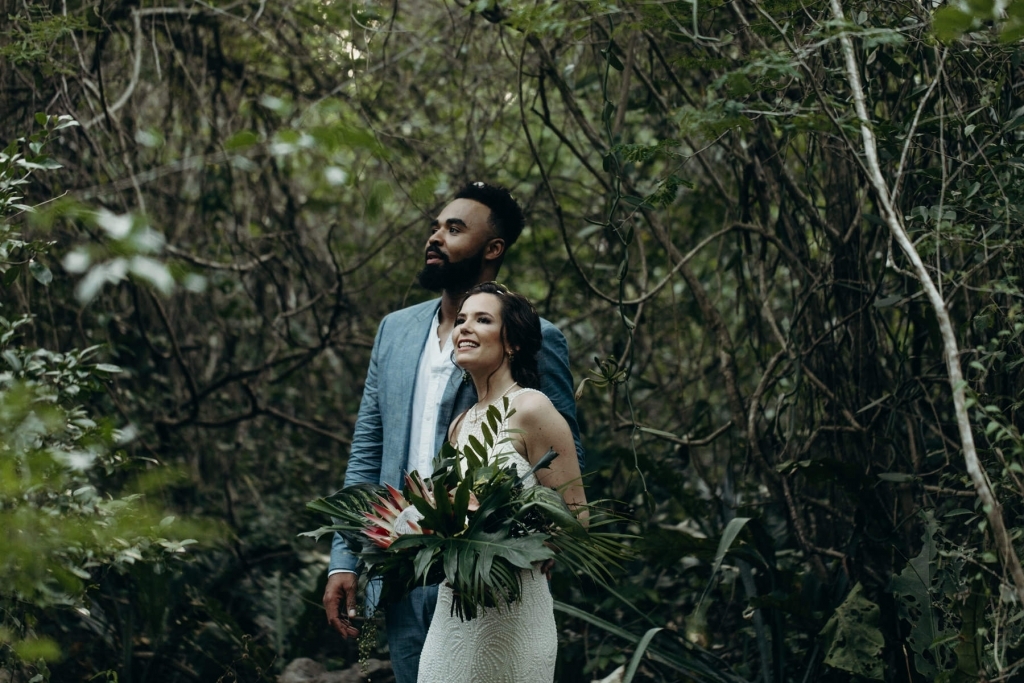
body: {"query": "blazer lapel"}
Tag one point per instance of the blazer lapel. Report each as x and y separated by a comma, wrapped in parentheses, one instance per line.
(403, 367)
(458, 396)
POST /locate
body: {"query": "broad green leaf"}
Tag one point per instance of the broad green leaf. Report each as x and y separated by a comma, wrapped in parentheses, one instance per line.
(732, 530)
(432, 518)
(607, 113)
(444, 511)
(488, 437)
(11, 275)
(423, 559)
(853, 641)
(461, 505)
(913, 587)
(451, 563)
(553, 505)
(35, 649)
(949, 23)
(641, 648)
(885, 302)
(478, 448)
(474, 458)
(544, 462)
(40, 272)
(613, 60)
(243, 139)
(896, 477)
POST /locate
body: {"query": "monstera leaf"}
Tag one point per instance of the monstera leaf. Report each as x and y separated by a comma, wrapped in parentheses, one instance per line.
(483, 569)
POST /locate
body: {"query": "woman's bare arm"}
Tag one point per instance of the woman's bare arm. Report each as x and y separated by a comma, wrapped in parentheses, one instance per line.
(542, 427)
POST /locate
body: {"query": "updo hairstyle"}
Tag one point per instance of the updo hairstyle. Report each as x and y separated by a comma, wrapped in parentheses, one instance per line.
(520, 328)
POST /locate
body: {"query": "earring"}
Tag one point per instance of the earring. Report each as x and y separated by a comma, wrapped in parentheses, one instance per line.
(511, 356)
(465, 376)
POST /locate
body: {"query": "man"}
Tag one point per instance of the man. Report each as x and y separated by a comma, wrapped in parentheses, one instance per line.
(413, 391)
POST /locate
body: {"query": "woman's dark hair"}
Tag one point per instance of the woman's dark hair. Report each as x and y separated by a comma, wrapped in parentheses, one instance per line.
(520, 326)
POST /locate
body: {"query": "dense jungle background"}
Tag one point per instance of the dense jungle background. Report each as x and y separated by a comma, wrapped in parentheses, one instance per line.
(782, 237)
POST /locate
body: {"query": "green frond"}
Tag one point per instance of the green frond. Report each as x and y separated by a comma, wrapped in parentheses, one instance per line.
(346, 509)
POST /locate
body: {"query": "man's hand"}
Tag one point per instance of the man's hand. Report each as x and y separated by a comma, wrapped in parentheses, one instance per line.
(341, 593)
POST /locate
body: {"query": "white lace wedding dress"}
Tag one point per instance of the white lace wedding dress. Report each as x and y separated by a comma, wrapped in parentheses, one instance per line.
(514, 644)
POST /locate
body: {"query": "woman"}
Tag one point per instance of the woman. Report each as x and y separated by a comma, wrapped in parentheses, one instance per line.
(496, 338)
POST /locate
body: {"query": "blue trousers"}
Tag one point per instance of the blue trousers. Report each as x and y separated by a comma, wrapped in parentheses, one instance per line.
(407, 623)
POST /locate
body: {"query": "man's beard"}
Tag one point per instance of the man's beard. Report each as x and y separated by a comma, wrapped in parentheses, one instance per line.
(451, 276)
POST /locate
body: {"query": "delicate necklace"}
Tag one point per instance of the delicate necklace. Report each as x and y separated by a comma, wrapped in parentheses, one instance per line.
(475, 411)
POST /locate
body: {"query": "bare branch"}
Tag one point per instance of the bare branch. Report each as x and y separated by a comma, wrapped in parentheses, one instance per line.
(951, 351)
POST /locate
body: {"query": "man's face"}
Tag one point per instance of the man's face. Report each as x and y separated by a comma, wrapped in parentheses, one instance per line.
(456, 247)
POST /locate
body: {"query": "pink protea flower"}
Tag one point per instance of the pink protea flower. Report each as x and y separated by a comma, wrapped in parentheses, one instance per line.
(379, 535)
(418, 488)
(397, 496)
(391, 518)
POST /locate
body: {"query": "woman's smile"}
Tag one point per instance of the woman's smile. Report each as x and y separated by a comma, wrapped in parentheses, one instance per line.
(477, 334)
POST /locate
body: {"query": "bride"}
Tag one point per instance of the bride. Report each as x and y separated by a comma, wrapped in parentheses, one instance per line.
(496, 338)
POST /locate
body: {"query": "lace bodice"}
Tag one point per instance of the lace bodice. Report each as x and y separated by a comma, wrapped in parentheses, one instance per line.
(503, 450)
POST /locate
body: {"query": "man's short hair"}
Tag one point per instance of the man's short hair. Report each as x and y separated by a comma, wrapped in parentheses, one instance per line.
(506, 215)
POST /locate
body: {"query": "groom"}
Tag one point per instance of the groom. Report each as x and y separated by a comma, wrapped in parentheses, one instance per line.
(413, 391)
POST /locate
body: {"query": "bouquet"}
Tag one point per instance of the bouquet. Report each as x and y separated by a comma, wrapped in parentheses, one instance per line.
(471, 524)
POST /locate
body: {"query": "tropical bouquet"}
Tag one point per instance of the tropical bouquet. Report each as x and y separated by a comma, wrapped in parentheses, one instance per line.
(472, 524)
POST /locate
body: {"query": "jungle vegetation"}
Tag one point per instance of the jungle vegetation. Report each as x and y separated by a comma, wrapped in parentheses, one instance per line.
(782, 237)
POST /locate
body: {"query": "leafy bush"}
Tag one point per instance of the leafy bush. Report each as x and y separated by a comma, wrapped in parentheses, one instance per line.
(73, 505)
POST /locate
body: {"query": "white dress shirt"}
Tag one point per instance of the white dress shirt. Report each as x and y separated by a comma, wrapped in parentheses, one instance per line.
(435, 371)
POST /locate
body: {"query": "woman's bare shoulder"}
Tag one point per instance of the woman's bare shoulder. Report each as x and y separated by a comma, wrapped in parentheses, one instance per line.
(533, 405)
(453, 428)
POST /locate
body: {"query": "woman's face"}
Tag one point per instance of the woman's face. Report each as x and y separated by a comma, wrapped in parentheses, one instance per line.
(477, 333)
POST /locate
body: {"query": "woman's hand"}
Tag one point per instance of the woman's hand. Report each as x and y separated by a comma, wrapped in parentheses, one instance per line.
(545, 568)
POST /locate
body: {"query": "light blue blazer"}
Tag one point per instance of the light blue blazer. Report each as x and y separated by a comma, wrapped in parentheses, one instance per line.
(380, 440)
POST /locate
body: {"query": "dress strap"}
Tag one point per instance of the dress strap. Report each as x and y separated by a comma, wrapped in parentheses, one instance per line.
(512, 397)
(520, 391)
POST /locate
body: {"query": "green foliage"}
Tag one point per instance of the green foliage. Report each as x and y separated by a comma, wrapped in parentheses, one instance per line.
(18, 161)
(33, 39)
(913, 587)
(60, 526)
(478, 528)
(73, 504)
(698, 220)
(853, 641)
(952, 21)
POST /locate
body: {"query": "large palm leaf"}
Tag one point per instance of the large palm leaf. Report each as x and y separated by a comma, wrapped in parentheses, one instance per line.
(347, 509)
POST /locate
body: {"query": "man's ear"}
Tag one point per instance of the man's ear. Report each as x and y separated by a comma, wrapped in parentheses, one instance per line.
(495, 249)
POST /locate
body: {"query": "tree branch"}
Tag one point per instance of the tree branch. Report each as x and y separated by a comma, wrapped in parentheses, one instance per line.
(951, 351)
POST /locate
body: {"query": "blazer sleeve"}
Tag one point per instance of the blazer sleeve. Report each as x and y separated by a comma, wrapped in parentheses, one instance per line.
(556, 380)
(364, 462)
